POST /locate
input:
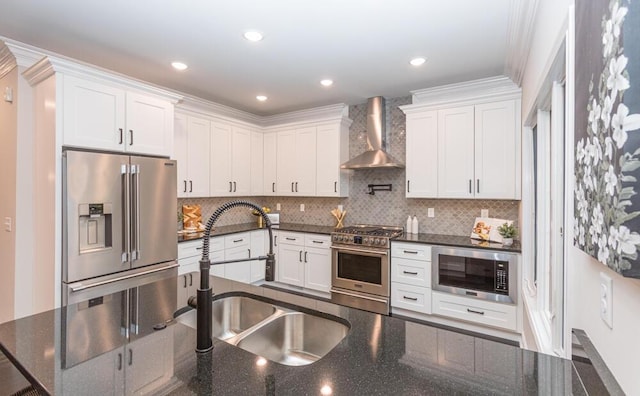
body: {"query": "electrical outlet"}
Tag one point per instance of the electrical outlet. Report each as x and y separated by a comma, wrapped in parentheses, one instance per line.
(484, 213)
(277, 206)
(431, 212)
(7, 224)
(606, 299)
(302, 207)
(340, 208)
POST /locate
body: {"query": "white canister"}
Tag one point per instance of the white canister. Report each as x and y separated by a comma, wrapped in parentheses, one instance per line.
(409, 228)
(414, 225)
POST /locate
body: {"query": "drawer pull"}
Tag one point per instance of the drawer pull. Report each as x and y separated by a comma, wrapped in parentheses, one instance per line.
(409, 273)
(238, 240)
(199, 248)
(475, 312)
(320, 242)
(410, 298)
(290, 239)
(410, 251)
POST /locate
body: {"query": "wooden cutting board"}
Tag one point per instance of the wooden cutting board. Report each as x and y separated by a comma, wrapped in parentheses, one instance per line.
(191, 216)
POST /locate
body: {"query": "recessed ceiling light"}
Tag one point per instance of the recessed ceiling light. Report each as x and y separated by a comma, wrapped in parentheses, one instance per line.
(417, 61)
(253, 35)
(261, 98)
(179, 66)
(326, 82)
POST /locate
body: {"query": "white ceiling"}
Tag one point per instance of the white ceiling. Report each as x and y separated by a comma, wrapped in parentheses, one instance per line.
(363, 45)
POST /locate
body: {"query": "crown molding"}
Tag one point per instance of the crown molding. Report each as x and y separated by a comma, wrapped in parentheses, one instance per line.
(202, 107)
(332, 113)
(459, 94)
(522, 15)
(12, 55)
(39, 72)
(7, 61)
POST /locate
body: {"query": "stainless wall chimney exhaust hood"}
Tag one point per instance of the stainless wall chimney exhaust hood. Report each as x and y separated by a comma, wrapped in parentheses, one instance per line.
(375, 156)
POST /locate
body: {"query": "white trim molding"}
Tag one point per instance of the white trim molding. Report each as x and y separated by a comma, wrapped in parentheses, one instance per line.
(522, 15)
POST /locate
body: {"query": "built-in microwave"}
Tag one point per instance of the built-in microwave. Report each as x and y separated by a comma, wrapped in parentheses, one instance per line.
(484, 274)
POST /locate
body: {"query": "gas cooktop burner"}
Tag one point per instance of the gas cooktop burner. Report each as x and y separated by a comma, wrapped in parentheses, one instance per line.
(366, 235)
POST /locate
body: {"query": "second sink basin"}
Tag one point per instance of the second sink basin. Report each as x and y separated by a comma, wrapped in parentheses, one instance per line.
(294, 338)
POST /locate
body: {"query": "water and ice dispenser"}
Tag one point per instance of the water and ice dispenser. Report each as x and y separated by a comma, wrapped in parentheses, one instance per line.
(95, 227)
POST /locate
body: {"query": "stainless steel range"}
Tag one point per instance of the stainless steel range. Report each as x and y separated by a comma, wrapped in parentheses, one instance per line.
(360, 270)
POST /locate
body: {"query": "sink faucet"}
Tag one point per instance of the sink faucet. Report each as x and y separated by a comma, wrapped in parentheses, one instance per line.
(204, 294)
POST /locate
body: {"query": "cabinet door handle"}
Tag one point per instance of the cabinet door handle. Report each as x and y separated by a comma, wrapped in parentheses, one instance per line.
(335, 186)
(131, 133)
(275, 240)
(409, 273)
(300, 258)
(234, 187)
(185, 186)
(121, 135)
(410, 298)
(305, 256)
(130, 356)
(477, 185)
(190, 185)
(410, 251)
(408, 185)
(273, 187)
(249, 250)
(296, 186)
(475, 312)
(292, 187)
(230, 187)
(185, 281)
(190, 280)
(470, 190)
(119, 361)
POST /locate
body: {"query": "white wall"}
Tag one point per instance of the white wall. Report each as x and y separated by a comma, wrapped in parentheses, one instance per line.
(619, 347)
(8, 137)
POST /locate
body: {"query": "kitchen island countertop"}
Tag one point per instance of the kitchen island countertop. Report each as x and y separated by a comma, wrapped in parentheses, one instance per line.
(380, 355)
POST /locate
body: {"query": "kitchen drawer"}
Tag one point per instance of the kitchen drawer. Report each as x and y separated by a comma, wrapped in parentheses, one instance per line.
(413, 298)
(319, 241)
(189, 264)
(216, 244)
(412, 251)
(411, 272)
(237, 240)
(478, 311)
(189, 249)
(291, 238)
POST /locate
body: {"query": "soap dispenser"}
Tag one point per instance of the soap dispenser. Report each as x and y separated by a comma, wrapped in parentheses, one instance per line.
(409, 227)
(414, 225)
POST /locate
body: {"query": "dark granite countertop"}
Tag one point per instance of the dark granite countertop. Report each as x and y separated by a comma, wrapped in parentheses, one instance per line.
(233, 229)
(458, 241)
(380, 355)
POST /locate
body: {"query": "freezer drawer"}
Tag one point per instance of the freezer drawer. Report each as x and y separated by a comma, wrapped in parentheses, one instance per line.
(102, 314)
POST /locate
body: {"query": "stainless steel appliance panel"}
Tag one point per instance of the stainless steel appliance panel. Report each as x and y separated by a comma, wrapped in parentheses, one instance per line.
(102, 313)
(154, 207)
(95, 214)
(361, 270)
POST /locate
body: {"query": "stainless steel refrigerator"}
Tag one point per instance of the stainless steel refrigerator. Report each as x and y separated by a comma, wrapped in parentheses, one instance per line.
(119, 250)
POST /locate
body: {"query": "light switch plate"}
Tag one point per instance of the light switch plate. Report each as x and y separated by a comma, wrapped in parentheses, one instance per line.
(606, 299)
(484, 213)
(431, 212)
(277, 206)
(8, 224)
(302, 207)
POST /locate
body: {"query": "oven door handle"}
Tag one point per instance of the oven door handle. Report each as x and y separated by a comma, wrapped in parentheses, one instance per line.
(369, 297)
(376, 252)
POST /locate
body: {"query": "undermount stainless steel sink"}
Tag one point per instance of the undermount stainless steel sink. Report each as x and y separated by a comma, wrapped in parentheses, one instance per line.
(276, 333)
(294, 338)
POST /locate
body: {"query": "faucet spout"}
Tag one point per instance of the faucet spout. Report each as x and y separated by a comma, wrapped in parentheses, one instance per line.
(204, 294)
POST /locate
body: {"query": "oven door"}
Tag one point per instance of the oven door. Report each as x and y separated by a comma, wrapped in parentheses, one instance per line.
(364, 270)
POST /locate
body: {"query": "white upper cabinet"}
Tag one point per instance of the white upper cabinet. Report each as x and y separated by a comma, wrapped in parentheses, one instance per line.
(257, 163)
(455, 153)
(230, 172)
(422, 155)
(332, 150)
(192, 137)
(463, 141)
(495, 150)
(296, 162)
(270, 150)
(106, 117)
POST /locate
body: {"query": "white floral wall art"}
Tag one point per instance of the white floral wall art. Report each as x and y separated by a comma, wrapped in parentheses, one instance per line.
(607, 120)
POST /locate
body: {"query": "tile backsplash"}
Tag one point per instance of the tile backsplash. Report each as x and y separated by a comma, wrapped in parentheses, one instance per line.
(452, 216)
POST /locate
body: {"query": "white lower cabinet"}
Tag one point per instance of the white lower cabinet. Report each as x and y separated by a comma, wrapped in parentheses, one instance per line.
(304, 260)
(411, 277)
(146, 364)
(472, 310)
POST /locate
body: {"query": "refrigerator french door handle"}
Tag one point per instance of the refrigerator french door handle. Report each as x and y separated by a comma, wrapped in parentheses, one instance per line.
(133, 311)
(126, 248)
(135, 217)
